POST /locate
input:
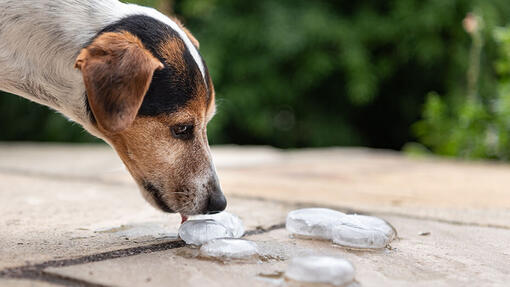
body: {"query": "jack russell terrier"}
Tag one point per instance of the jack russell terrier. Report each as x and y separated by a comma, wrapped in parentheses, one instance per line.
(130, 76)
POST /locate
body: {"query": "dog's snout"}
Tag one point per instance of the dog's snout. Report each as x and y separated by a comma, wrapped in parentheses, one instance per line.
(217, 201)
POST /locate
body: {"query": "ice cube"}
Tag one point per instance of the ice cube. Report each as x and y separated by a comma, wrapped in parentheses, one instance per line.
(321, 269)
(365, 232)
(227, 219)
(229, 248)
(200, 231)
(313, 222)
(349, 230)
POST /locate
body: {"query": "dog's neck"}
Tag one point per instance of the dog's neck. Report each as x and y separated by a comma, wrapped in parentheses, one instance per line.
(39, 43)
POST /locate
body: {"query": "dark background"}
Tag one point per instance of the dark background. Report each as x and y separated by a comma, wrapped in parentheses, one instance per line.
(301, 73)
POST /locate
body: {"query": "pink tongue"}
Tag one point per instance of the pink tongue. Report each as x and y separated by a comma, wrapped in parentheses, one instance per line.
(183, 218)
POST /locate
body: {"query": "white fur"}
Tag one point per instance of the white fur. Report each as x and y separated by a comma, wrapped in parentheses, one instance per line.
(40, 40)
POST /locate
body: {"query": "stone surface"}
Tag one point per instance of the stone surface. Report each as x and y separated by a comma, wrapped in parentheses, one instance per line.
(452, 255)
(321, 269)
(383, 182)
(24, 283)
(45, 218)
(349, 178)
(73, 203)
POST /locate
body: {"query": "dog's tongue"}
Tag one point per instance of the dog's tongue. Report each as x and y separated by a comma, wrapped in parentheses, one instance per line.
(183, 218)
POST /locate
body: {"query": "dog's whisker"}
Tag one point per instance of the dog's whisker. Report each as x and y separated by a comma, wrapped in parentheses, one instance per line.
(186, 205)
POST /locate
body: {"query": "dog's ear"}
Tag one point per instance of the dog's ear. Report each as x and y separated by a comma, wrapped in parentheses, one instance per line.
(117, 71)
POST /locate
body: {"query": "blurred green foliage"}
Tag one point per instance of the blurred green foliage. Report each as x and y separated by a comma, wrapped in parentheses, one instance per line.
(476, 123)
(300, 73)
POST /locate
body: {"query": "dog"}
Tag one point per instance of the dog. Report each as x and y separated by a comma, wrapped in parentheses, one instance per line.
(129, 75)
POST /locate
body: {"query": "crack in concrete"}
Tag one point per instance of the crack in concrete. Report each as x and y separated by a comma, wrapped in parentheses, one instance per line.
(36, 271)
(57, 279)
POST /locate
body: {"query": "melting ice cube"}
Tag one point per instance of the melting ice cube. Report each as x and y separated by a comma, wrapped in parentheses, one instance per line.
(360, 231)
(204, 228)
(200, 231)
(227, 219)
(321, 269)
(355, 231)
(228, 248)
(313, 222)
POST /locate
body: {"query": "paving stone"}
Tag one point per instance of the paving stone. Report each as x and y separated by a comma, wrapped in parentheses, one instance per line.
(62, 202)
(452, 255)
(24, 283)
(43, 219)
(349, 178)
(382, 182)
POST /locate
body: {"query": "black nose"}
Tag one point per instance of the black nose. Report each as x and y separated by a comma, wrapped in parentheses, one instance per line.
(217, 201)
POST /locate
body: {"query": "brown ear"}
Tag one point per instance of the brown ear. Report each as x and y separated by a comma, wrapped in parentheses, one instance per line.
(117, 71)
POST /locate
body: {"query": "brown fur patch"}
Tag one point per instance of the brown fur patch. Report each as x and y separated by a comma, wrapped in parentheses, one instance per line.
(173, 51)
(117, 71)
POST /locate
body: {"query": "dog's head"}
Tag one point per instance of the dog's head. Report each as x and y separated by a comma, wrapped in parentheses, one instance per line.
(151, 97)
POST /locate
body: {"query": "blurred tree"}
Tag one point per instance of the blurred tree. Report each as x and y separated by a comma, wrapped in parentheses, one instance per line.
(296, 73)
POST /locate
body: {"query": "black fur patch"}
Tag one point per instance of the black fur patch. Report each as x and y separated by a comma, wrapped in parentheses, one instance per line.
(168, 90)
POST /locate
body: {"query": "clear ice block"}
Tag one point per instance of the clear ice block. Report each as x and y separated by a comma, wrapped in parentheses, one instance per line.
(321, 269)
(353, 231)
(365, 232)
(229, 248)
(227, 219)
(315, 223)
(200, 231)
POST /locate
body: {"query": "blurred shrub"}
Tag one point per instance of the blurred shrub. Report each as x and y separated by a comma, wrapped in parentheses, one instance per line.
(476, 123)
(298, 73)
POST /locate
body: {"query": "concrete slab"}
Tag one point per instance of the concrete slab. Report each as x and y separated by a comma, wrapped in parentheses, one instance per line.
(451, 255)
(43, 219)
(73, 212)
(384, 182)
(361, 179)
(24, 283)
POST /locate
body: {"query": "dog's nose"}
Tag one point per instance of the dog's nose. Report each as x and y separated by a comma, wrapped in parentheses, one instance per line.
(217, 201)
(216, 204)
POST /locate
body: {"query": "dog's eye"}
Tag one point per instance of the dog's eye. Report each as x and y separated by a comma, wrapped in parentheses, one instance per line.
(183, 132)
